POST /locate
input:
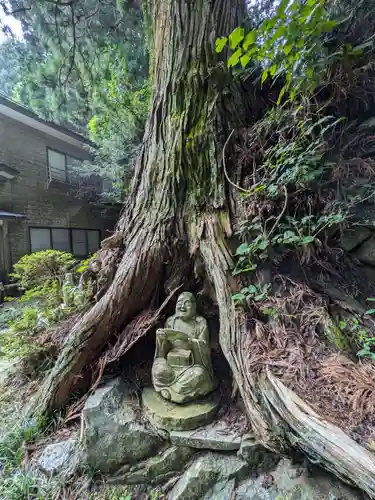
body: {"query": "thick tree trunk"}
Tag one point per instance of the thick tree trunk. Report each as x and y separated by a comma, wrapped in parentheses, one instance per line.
(178, 172)
(180, 199)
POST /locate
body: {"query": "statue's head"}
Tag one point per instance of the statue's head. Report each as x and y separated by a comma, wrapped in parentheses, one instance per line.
(95, 265)
(69, 280)
(186, 306)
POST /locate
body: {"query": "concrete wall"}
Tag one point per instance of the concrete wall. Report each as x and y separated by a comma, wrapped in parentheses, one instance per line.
(25, 149)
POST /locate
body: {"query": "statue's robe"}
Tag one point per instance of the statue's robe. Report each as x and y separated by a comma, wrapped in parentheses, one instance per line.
(184, 368)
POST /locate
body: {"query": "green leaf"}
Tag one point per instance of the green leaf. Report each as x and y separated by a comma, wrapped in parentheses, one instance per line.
(249, 39)
(370, 311)
(307, 239)
(281, 94)
(245, 59)
(259, 297)
(250, 267)
(236, 37)
(234, 58)
(279, 33)
(243, 249)
(371, 299)
(238, 297)
(251, 289)
(221, 43)
(327, 26)
(273, 69)
(264, 75)
(270, 24)
(287, 49)
(262, 245)
(282, 7)
(364, 352)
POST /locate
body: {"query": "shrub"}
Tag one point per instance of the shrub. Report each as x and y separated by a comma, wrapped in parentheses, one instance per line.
(15, 482)
(84, 264)
(42, 277)
(34, 270)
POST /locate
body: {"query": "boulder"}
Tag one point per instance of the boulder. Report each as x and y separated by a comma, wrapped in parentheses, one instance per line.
(223, 490)
(157, 469)
(205, 472)
(353, 237)
(215, 436)
(366, 252)
(6, 369)
(114, 431)
(59, 458)
(256, 455)
(293, 482)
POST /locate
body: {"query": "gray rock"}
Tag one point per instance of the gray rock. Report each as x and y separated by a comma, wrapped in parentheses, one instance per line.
(364, 214)
(256, 455)
(223, 490)
(114, 433)
(366, 252)
(353, 237)
(6, 369)
(157, 469)
(59, 457)
(293, 482)
(204, 473)
(216, 436)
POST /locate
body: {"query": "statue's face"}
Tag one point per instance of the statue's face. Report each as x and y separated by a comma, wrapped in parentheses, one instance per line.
(185, 307)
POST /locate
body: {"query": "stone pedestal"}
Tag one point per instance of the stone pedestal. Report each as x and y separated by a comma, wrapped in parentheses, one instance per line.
(172, 416)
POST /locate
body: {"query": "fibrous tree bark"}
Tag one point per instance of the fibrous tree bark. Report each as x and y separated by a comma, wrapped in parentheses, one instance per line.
(181, 202)
(178, 184)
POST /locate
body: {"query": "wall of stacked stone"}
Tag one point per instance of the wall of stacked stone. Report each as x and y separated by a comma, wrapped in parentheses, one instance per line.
(25, 149)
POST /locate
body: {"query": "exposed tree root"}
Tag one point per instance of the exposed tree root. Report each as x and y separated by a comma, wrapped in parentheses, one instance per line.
(177, 174)
(137, 328)
(278, 415)
(323, 442)
(131, 291)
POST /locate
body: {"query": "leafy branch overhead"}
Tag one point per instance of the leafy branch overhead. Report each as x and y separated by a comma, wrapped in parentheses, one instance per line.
(288, 44)
(293, 151)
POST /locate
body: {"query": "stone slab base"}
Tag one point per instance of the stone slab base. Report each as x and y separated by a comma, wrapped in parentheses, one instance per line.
(172, 416)
(215, 436)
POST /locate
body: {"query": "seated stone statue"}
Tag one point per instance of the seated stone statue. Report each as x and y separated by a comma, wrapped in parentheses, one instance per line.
(182, 369)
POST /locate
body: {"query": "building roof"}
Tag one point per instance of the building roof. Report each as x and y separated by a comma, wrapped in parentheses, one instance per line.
(25, 115)
(10, 215)
(7, 172)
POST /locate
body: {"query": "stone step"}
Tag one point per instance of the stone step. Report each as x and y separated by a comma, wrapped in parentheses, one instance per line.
(216, 436)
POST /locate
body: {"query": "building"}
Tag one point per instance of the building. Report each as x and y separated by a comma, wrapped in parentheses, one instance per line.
(44, 201)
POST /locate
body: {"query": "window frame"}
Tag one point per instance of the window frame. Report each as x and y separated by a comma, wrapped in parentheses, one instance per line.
(51, 179)
(70, 229)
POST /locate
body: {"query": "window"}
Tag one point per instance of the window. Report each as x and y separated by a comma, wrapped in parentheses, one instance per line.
(61, 240)
(79, 242)
(59, 166)
(40, 239)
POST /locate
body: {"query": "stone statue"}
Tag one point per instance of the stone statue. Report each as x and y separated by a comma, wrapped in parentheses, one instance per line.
(68, 291)
(73, 296)
(182, 369)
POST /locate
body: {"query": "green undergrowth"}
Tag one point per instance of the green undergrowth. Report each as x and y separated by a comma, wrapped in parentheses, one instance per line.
(127, 493)
(42, 278)
(293, 158)
(16, 481)
(19, 477)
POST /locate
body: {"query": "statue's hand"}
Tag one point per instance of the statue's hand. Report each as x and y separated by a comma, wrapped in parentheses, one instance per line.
(161, 334)
(192, 340)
